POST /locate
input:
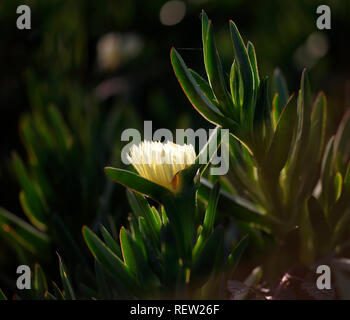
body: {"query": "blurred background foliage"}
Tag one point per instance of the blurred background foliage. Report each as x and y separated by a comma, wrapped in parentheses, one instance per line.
(104, 66)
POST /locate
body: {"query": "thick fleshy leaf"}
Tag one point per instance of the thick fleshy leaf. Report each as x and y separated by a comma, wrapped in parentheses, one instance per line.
(31, 199)
(210, 213)
(341, 143)
(254, 63)
(40, 283)
(317, 132)
(338, 185)
(298, 156)
(275, 113)
(280, 86)
(127, 250)
(245, 68)
(204, 86)
(343, 201)
(22, 233)
(236, 255)
(214, 68)
(236, 87)
(110, 242)
(197, 98)
(63, 135)
(141, 208)
(209, 219)
(278, 152)
(318, 124)
(202, 266)
(111, 262)
(262, 121)
(67, 285)
(327, 173)
(135, 260)
(137, 183)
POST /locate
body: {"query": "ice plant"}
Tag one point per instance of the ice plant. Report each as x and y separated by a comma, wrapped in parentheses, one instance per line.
(160, 162)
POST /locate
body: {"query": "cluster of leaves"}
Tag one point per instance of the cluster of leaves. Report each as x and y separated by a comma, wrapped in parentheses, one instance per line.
(278, 162)
(287, 188)
(174, 252)
(64, 156)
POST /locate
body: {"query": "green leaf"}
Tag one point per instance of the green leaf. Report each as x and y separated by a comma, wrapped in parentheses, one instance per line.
(245, 68)
(341, 143)
(31, 199)
(210, 213)
(110, 261)
(204, 86)
(327, 173)
(127, 250)
(235, 256)
(275, 110)
(57, 292)
(29, 138)
(40, 283)
(169, 257)
(254, 63)
(197, 98)
(278, 152)
(135, 260)
(280, 87)
(318, 128)
(30, 211)
(298, 157)
(63, 135)
(235, 88)
(2, 295)
(262, 122)
(110, 242)
(204, 262)
(141, 208)
(214, 68)
(67, 285)
(137, 183)
(209, 219)
(22, 233)
(338, 184)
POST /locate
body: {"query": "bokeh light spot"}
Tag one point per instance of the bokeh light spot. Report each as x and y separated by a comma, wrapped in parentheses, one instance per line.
(172, 12)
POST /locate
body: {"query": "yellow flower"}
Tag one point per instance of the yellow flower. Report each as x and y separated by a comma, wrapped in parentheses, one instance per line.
(159, 162)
